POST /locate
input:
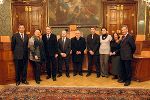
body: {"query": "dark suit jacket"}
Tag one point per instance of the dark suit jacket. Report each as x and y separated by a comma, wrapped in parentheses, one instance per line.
(67, 46)
(78, 45)
(50, 45)
(93, 44)
(127, 48)
(19, 46)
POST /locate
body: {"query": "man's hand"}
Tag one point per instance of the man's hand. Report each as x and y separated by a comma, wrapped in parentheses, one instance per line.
(91, 52)
(56, 55)
(36, 57)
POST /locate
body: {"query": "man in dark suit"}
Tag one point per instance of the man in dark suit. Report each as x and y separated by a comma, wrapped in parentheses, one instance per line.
(127, 49)
(19, 45)
(78, 45)
(51, 50)
(64, 48)
(93, 43)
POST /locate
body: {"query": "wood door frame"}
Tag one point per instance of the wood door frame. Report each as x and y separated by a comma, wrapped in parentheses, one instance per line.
(105, 3)
(34, 4)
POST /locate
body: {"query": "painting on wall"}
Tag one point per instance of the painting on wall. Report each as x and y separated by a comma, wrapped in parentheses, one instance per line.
(79, 12)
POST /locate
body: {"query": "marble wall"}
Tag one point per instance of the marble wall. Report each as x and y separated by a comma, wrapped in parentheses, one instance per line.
(141, 18)
(5, 18)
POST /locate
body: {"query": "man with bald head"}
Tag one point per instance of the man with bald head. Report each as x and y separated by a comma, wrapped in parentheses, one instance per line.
(78, 45)
(64, 48)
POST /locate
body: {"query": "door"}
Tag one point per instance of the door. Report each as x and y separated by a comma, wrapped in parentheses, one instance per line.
(116, 15)
(32, 17)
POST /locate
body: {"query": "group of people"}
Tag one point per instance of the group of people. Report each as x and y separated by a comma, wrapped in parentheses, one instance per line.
(54, 53)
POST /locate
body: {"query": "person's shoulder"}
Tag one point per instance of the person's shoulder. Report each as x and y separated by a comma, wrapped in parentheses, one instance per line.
(67, 38)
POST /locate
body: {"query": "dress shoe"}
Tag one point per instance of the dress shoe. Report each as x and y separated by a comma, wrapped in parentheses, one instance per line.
(107, 76)
(115, 77)
(17, 83)
(120, 81)
(25, 82)
(127, 83)
(80, 74)
(38, 82)
(68, 75)
(48, 77)
(88, 74)
(59, 75)
(98, 76)
(54, 79)
(74, 74)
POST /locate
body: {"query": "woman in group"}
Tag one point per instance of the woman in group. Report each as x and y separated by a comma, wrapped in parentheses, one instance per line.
(115, 56)
(104, 50)
(37, 54)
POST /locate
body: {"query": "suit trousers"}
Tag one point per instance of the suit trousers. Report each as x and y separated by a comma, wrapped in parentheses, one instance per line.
(126, 70)
(51, 66)
(36, 69)
(61, 61)
(77, 67)
(21, 69)
(96, 60)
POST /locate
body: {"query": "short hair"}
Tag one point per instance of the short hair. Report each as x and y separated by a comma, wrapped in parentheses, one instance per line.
(124, 26)
(20, 25)
(104, 28)
(93, 27)
(49, 27)
(63, 31)
(39, 30)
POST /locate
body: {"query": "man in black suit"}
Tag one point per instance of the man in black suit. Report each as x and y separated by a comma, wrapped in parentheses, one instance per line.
(78, 45)
(64, 48)
(19, 45)
(51, 50)
(127, 49)
(93, 43)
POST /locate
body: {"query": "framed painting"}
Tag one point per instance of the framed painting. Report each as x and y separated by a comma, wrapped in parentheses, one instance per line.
(76, 12)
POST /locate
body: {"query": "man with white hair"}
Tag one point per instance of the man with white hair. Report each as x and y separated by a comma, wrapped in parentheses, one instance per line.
(64, 48)
(78, 45)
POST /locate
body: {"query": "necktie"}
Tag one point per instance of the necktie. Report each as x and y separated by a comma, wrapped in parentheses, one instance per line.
(22, 36)
(48, 36)
(63, 40)
(92, 36)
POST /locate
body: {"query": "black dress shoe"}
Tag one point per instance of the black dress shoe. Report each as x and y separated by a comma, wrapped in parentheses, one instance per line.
(88, 74)
(80, 74)
(98, 76)
(74, 74)
(121, 81)
(115, 77)
(17, 83)
(59, 75)
(38, 82)
(54, 79)
(68, 75)
(48, 77)
(127, 83)
(25, 82)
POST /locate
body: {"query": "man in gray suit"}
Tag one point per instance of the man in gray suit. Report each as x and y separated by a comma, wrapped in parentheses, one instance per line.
(64, 48)
(19, 47)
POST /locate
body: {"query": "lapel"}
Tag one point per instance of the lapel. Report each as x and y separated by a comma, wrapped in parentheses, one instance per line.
(123, 42)
(18, 35)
